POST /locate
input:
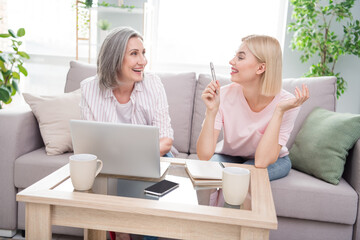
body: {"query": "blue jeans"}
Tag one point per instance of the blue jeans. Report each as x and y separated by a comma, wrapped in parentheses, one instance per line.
(277, 170)
(169, 155)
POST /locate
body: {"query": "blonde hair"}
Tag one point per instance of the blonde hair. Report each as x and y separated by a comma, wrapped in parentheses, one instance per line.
(267, 50)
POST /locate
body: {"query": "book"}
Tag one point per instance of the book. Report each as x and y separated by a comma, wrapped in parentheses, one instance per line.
(204, 173)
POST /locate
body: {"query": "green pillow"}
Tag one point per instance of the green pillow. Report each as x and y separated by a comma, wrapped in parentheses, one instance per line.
(321, 146)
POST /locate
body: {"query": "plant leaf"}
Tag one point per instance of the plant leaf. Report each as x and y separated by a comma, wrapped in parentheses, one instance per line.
(15, 85)
(24, 55)
(4, 35)
(23, 70)
(9, 101)
(4, 94)
(2, 66)
(20, 32)
(11, 32)
(16, 75)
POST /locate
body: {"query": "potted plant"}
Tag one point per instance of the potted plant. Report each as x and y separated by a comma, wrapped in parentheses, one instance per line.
(104, 26)
(11, 66)
(314, 34)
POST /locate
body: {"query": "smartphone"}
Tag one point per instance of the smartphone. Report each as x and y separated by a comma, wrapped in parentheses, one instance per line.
(161, 188)
(213, 73)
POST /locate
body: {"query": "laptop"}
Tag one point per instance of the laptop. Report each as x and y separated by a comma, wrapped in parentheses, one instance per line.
(125, 149)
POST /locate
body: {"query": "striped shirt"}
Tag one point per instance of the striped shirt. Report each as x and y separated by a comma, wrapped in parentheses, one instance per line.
(148, 98)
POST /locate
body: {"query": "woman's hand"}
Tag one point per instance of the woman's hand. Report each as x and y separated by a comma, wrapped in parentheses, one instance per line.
(300, 98)
(211, 96)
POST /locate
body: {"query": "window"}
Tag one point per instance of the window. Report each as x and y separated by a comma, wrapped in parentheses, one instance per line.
(190, 33)
(49, 25)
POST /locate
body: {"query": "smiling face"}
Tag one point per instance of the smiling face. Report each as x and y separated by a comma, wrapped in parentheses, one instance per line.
(134, 61)
(245, 66)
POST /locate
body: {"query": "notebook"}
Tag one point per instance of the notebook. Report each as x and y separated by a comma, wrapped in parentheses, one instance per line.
(204, 173)
(125, 149)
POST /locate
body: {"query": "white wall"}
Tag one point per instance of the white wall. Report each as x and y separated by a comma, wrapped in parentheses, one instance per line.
(348, 66)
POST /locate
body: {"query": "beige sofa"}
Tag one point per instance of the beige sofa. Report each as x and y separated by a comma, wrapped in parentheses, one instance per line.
(307, 208)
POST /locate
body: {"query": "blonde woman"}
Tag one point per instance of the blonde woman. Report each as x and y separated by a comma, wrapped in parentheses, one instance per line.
(256, 114)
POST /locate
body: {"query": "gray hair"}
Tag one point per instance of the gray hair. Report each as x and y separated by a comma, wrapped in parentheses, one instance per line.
(111, 55)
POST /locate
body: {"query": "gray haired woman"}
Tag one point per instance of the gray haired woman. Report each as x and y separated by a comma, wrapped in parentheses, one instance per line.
(122, 92)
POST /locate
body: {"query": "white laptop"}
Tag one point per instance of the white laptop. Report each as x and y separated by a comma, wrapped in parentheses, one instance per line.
(125, 149)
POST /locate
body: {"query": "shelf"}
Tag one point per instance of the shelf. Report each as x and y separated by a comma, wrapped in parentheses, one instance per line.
(119, 10)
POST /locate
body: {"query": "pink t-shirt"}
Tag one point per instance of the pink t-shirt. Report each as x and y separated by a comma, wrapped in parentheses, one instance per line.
(244, 128)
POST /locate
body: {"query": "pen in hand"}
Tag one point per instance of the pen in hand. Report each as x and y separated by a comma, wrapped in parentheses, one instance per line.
(213, 74)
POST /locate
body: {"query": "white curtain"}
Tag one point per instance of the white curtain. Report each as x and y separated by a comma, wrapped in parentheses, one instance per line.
(191, 33)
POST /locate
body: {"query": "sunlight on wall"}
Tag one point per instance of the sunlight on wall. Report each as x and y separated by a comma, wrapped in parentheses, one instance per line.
(190, 34)
(3, 24)
(197, 32)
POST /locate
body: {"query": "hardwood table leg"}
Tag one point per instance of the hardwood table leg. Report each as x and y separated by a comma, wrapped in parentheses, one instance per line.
(38, 221)
(249, 233)
(91, 234)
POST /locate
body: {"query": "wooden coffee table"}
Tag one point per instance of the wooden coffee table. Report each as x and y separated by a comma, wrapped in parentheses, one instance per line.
(53, 201)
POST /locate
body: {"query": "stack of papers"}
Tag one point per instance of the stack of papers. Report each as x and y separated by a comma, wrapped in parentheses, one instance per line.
(204, 173)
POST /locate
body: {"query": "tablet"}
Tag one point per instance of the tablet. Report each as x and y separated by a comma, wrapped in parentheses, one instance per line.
(161, 188)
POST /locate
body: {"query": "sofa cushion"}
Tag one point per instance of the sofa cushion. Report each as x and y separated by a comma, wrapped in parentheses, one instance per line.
(302, 196)
(53, 114)
(299, 229)
(322, 94)
(180, 90)
(35, 165)
(78, 71)
(199, 107)
(323, 142)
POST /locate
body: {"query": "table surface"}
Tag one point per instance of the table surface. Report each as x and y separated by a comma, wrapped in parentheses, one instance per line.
(125, 199)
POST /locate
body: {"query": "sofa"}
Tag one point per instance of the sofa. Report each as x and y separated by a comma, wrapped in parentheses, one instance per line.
(307, 207)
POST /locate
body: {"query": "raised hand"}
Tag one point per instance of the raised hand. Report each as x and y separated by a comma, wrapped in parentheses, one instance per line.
(211, 96)
(300, 97)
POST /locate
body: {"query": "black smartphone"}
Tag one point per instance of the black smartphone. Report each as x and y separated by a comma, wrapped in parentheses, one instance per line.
(161, 188)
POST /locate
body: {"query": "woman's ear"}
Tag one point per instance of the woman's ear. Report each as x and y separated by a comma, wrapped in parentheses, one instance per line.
(261, 68)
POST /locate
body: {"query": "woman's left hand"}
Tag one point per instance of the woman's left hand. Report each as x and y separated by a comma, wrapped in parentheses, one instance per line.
(300, 97)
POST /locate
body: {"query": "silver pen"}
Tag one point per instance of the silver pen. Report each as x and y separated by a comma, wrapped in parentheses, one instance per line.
(213, 74)
(221, 164)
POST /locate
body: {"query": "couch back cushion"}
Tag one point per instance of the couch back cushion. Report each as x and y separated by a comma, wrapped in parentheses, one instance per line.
(78, 71)
(199, 107)
(322, 94)
(180, 89)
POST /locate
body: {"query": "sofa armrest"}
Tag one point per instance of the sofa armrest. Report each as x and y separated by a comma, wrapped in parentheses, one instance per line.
(19, 134)
(352, 176)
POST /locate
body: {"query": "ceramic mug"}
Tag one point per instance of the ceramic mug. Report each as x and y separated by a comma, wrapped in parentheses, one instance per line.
(235, 184)
(83, 170)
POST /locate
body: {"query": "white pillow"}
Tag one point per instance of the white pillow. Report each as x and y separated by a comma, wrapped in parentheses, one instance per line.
(53, 114)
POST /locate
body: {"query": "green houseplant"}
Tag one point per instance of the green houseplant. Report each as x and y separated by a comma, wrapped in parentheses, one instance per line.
(315, 33)
(11, 66)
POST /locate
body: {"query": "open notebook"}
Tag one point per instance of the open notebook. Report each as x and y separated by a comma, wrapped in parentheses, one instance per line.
(204, 173)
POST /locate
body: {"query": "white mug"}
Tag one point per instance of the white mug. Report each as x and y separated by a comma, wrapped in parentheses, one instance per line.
(83, 170)
(235, 184)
